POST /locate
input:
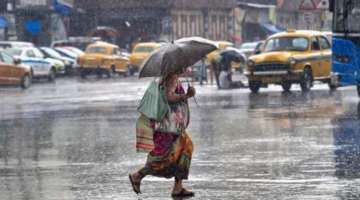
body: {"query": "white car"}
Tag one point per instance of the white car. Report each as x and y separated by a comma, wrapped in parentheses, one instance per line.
(15, 44)
(70, 64)
(70, 54)
(34, 54)
(77, 51)
(40, 68)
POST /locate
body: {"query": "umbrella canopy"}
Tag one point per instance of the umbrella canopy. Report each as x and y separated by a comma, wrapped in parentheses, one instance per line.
(104, 30)
(173, 57)
(233, 54)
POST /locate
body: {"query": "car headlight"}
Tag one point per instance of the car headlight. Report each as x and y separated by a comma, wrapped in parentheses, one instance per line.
(341, 58)
(292, 61)
(66, 62)
(250, 63)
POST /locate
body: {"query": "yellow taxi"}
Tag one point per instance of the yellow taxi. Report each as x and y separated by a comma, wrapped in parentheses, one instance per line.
(141, 52)
(291, 57)
(103, 58)
(221, 45)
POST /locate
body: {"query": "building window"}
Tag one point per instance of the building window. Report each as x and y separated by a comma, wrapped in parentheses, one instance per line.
(223, 26)
(174, 26)
(184, 25)
(3, 6)
(213, 27)
(193, 25)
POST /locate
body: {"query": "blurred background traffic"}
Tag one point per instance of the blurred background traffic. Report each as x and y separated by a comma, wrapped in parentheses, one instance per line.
(52, 38)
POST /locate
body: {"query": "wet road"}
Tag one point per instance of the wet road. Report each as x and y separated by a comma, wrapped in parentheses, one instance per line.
(74, 140)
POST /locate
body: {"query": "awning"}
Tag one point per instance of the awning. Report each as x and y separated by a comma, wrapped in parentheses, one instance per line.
(33, 26)
(271, 28)
(3, 22)
(62, 7)
(256, 5)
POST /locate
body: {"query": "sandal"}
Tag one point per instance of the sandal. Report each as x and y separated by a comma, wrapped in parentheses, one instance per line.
(135, 185)
(183, 193)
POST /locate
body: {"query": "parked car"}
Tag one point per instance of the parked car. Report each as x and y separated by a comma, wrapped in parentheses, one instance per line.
(77, 51)
(15, 44)
(291, 57)
(103, 58)
(66, 52)
(140, 53)
(251, 48)
(69, 63)
(14, 73)
(80, 42)
(33, 53)
(40, 67)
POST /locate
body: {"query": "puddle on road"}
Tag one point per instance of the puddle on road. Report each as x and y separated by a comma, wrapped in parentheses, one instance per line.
(266, 146)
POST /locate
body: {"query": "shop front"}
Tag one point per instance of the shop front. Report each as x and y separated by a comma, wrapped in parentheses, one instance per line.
(42, 22)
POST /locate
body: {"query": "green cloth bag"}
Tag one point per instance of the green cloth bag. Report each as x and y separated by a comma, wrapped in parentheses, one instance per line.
(154, 104)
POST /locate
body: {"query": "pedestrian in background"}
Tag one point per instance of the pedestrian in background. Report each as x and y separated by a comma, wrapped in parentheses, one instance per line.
(215, 67)
(172, 152)
(202, 71)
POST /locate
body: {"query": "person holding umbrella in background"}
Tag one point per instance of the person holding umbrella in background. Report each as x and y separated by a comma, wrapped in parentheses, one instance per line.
(171, 148)
(228, 56)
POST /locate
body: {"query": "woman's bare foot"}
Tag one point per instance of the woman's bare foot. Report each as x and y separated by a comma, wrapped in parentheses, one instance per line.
(135, 180)
(183, 193)
(177, 186)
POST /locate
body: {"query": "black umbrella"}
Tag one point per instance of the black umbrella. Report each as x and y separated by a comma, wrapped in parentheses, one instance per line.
(232, 54)
(175, 56)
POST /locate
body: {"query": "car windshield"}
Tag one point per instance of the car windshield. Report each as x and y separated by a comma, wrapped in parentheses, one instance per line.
(347, 16)
(144, 49)
(76, 50)
(13, 52)
(251, 45)
(287, 44)
(66, 52)
(101, 50)
(52, 52)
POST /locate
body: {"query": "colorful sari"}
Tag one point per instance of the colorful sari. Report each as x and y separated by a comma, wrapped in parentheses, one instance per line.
(171, 155)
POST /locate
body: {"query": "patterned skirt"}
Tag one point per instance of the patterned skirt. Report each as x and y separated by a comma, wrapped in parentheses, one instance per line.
(171, 156)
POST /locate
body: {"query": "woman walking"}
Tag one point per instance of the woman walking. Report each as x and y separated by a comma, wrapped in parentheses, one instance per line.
(172, 152)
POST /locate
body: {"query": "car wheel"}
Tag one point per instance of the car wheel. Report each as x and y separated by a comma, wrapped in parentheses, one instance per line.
(83, 73)
(108, 73)
(332, 87)
(52, 75)
(25, 81)
(306, 80)
(286, 85)
(131, 70)
(99, 73)
(254, 86)
(358, 89)
(113, 69)
(69, 70)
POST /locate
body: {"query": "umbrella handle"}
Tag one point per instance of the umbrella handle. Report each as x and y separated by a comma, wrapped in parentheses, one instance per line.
(187, 80)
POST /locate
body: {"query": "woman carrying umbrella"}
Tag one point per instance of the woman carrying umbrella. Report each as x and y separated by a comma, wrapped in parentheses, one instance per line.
(172, 153)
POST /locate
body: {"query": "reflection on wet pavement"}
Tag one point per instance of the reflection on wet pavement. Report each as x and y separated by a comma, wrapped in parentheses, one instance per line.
(265, 146)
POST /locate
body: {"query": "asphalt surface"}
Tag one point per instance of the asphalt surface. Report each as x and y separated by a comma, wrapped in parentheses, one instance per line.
(74, 140)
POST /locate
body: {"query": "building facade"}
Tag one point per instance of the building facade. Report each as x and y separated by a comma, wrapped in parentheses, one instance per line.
(303, 14)
(258, 20)
(164, 20)
(208, 18)
(38, 21)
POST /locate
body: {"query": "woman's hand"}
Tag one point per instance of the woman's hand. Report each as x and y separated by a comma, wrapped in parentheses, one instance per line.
(190, 92)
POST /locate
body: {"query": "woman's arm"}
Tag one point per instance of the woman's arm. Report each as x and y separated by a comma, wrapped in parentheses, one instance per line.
(172, 97)
(170, 89)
